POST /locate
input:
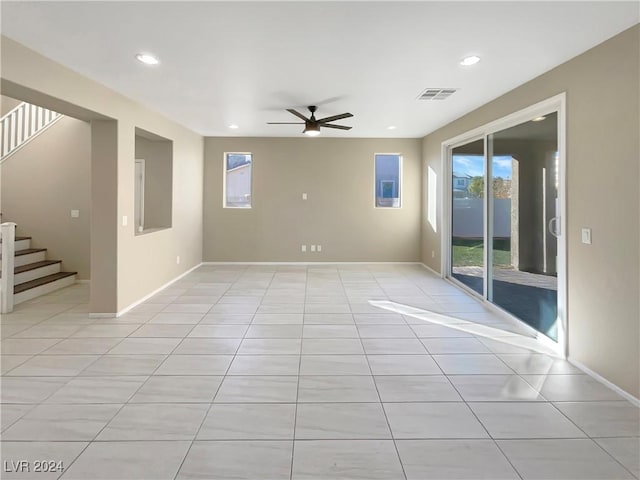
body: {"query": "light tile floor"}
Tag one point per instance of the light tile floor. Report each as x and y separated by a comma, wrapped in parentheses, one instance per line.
(270, 372)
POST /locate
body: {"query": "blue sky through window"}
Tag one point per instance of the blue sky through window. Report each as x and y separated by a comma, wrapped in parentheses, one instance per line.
(473, 165)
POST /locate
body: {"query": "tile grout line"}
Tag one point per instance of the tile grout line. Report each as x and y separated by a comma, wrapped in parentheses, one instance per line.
(384, 412)
(484, 427)
(32, 357)
(295, 415)
(126, 402)
(475, 416)
(36, 405)
(211, 404)
(589, 437)
(99, 432)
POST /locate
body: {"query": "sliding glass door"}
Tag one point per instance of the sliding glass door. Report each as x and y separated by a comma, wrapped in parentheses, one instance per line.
(504, 223)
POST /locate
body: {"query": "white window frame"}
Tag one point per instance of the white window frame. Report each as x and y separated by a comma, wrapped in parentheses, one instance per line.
(224, 181)
(139, 202)
(400, 182)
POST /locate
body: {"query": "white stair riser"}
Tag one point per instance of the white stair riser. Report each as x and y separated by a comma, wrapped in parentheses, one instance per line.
(43, 289)
(23, 244)
(37, 273)
(21, 260)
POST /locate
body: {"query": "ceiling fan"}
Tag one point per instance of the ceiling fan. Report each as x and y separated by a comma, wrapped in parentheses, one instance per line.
(311, 124)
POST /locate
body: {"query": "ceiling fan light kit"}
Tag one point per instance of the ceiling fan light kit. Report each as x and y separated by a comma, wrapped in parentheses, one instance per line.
(311, 129)
(312, 125)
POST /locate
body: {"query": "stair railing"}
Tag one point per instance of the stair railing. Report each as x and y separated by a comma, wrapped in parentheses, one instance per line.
(22, 124)
(8, 233)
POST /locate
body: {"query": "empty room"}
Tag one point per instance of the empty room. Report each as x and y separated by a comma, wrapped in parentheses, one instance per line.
(320, 240)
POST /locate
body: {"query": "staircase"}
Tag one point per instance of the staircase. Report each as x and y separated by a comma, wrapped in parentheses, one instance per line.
(26, 273)
(23, 123)
(33, 274)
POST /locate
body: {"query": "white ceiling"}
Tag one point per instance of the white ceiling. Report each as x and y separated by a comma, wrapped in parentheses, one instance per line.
(244, 63)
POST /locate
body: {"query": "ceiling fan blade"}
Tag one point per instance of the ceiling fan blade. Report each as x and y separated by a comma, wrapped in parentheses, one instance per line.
(335, 117)
(285, 123)
(340, 127)
(297, 114)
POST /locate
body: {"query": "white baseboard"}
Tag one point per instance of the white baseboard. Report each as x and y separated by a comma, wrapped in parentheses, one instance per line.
(431, 269)
(623, 393)
(102, 315)
(156, 291)
(311, 263)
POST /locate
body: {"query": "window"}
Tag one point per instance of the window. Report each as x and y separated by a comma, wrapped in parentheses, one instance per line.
(388, 177)
(237, 180)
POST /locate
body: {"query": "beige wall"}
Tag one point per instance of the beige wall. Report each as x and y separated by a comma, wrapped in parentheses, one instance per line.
(337, 175)
(158, 180)
(42, 182)
(7, 104)
(104, 213)
(127, 266)
(603, 194)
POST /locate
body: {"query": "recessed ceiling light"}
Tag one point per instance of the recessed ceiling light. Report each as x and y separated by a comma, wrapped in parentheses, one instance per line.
(147, 59)
(470, 60)
(538, 119)
(233, 126)
(391, 127)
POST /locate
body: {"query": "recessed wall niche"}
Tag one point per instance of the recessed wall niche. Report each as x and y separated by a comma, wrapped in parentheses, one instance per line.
(153, 182)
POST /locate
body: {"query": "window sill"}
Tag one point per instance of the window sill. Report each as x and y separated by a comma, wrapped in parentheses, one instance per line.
(150, 230)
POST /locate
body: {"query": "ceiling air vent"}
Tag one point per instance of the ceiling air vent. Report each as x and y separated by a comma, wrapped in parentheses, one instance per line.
(437, 93)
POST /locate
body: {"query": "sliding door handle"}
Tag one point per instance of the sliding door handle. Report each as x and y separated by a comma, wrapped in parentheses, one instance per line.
(554, 227)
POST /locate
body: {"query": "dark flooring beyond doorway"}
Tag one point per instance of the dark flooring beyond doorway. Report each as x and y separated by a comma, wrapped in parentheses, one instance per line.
(532, 299)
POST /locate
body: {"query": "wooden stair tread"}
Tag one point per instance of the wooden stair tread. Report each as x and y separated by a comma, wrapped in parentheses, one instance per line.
(27, 251)
(21, 287)
(17, 239)
(33, 266)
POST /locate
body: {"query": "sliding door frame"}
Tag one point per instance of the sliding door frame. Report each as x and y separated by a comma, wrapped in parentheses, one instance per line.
(446, 233)
(557, 104)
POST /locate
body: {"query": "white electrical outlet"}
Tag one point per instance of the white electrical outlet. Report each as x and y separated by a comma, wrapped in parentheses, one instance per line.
(586, 236)
(433, 254)
(303, 248)
(304, 196)
(75, 213)
(313, 248)
(319, 248)
(125, 220)
(178, 260)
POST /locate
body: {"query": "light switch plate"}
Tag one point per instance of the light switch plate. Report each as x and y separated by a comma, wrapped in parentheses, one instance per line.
(304, 196)
(75, 213)
(303, 248)
(586, 236)
(125, 221)
(313, 248)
